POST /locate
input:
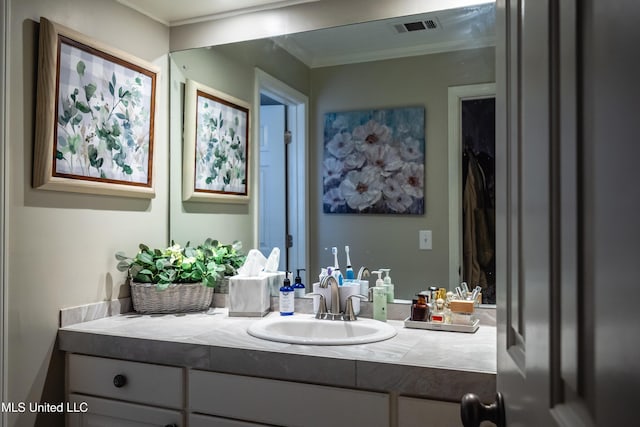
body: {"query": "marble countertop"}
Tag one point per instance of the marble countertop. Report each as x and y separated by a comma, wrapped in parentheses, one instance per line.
(432, 364)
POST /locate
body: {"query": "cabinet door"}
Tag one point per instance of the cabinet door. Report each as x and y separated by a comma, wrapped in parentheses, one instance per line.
(272, 402)
(110, 413)
(196, 420)
(413, 412)
(144, 383)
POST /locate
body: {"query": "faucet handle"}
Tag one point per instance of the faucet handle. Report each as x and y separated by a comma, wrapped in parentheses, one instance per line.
(349, 312)
(322, 307)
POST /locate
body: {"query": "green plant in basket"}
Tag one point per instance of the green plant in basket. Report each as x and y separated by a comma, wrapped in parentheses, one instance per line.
(228, 255)
(176, 264)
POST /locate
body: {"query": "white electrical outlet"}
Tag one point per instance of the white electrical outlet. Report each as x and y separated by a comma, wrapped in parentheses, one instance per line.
(425, 242)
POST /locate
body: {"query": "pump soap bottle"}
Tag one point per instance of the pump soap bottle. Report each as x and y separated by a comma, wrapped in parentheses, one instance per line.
(286, 300)
(379, 296)
(298, 286)
(388, 286)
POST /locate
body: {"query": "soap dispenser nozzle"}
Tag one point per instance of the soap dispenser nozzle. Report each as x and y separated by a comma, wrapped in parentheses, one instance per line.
(379, 281)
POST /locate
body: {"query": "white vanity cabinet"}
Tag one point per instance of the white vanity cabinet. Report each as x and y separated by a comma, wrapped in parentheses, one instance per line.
(198, 420)
(117, 393)
(415, 412)
(284, 403)
(113, 413)
(168, 396)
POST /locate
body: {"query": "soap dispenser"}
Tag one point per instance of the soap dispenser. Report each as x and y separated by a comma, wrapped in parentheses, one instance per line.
(388, 286)
(286, 300)
(298, 286)
(378, 295)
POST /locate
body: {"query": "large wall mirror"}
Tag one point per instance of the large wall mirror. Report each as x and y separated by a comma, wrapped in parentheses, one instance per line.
(384, 65)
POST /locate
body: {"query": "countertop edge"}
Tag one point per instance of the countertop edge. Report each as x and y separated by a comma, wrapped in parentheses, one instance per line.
(404, 379)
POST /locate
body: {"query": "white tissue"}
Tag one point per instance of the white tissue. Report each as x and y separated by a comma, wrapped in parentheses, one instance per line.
(273, 261)
(253, 265)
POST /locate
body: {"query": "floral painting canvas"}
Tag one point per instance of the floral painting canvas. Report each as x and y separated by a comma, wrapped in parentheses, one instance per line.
(104, 112)
(374, 161)
(95, 116)
(221, 145)
(215, 160)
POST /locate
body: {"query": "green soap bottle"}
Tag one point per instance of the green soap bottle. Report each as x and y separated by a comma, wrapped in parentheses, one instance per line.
(388, 285)
(378, 294)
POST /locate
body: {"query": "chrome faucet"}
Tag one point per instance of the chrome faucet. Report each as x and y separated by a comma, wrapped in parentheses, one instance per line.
(322, 305)
(349, 312)
(335, 313)
(330, 281)
(363, 273)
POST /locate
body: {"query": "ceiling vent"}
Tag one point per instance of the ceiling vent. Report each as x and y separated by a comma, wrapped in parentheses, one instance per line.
(423, 25)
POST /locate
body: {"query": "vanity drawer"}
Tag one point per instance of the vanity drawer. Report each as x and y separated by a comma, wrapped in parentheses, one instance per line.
(415, 412)
(124, 380)
(284, 402)
(98, 412)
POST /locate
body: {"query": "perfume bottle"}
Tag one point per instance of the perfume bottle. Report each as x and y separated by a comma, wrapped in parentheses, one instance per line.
(438, 313)
(420, 309)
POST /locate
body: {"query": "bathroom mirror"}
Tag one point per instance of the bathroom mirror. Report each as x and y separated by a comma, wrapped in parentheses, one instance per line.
(409, 61)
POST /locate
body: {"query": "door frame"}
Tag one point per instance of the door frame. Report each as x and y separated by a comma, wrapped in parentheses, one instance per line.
(298, 123)
(4, 26)
(457, 94)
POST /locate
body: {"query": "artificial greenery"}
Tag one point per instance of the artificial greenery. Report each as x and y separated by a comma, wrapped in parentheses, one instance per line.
(176, 264)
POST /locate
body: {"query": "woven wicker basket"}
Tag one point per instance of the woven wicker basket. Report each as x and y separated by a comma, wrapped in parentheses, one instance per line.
(177, 298)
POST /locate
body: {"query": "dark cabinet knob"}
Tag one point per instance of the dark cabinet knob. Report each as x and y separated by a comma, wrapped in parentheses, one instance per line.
(119, 381)
(171, 425)
(473, 411)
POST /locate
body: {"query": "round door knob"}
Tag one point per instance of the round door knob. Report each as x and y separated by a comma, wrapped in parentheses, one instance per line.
(473, 411)
(119, 380)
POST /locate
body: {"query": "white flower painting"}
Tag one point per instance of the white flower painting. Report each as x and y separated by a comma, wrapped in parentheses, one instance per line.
(374, 161)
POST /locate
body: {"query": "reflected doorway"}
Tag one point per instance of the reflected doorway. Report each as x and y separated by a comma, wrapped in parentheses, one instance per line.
(471, 132)
(273, 230)
(282, 207)
(478, 195)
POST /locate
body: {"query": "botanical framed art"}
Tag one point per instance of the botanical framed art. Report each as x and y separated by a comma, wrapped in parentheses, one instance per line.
(374, 161)
(216, 146)
(95, 117)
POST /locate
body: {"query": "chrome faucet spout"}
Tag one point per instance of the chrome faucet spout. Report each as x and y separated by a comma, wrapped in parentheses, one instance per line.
(330, 281)
(363, 273)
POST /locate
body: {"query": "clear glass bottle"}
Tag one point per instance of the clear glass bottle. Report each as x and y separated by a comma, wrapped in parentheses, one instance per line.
(438, 313)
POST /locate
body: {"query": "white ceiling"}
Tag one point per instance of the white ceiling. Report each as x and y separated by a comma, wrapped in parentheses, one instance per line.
(179, 12)
(456, 29)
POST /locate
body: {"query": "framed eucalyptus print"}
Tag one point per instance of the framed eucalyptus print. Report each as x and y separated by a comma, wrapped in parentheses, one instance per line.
(216, 146)
(95, 117)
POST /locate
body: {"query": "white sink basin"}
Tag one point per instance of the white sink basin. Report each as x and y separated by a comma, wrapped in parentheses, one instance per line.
(306, 329)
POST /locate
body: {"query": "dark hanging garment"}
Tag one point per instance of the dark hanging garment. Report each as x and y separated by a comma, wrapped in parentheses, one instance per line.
(478, 241)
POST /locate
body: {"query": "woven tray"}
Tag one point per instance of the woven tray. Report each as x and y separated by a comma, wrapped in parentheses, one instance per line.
(177, 298)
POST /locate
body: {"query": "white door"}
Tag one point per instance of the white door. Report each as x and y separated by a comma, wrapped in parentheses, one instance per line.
(568, 202)
(272, 230)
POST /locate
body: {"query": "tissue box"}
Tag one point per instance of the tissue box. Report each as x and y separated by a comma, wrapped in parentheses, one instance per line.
(275, 281)
(250, 296)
